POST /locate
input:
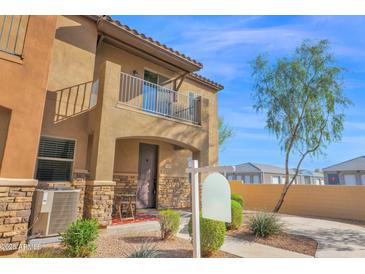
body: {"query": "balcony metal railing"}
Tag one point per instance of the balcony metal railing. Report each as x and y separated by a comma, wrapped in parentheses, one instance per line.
(12, 33)
(149, 97)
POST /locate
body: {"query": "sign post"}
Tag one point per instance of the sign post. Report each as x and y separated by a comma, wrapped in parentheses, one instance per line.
(195, 209)
(195, 170)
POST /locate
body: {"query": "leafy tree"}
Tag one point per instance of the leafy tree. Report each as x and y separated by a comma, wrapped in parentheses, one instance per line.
(224, 132)
(303, 101)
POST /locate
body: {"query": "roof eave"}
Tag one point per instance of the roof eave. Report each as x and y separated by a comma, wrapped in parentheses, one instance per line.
(210, 84)
(111, 29)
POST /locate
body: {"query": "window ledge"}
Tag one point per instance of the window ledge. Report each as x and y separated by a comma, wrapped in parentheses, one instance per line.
(11, 58)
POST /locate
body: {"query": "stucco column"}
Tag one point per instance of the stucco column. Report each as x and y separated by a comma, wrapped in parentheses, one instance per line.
(99, 192)
(104, 141)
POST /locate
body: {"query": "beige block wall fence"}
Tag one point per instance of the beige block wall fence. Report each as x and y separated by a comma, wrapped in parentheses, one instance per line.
(342, 202)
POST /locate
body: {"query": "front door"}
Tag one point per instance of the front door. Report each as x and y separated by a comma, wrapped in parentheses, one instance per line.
(146, 188)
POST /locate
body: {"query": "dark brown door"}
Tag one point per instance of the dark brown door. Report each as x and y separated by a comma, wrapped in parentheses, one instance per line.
(146, 189)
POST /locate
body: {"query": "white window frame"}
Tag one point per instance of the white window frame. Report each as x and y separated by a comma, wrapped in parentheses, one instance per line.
(362, 178)
(275, 177)
(352, 176)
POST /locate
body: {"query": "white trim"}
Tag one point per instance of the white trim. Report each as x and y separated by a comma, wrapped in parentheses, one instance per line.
(17, 182)
(100, 183)
(85, 171)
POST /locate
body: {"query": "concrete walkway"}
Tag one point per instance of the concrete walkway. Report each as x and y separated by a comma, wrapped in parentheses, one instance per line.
(335, 239)
(243, 248)
(247, 249)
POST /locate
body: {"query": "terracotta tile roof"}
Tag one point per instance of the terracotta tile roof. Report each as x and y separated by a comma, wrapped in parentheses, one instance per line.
(205, 80)
(150, 40)
(193, 76)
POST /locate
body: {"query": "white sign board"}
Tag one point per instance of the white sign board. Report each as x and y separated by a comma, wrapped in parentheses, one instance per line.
(216, 198)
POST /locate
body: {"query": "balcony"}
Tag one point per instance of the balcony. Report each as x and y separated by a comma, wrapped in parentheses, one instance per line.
(158, 100)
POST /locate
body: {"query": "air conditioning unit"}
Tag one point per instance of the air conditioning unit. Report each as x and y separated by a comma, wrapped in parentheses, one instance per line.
(53, 211)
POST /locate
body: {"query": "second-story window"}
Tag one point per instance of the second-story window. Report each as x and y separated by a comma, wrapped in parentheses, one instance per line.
(156, 78)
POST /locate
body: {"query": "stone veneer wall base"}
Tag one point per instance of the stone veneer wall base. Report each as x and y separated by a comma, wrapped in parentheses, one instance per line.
(15, 209)
(174, 192)
(98, 203)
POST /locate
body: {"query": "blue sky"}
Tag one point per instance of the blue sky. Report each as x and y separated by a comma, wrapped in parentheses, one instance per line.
(226, 45)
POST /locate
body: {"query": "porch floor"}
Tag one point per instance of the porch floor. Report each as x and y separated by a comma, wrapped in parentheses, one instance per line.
(142, 215)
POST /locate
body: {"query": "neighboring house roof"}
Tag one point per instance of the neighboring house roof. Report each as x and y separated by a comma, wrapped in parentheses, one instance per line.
(307, 172)
(349, 165)
(247, 168)
(257, 167)
(266, 168)
(270, 168)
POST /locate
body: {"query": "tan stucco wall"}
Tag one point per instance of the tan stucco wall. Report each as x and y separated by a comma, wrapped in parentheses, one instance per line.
(171, 162)
(344, 202)
(118, 122)
(67, 109)
(189, 85)
(5, 115)
(23, 90)
(76, 60)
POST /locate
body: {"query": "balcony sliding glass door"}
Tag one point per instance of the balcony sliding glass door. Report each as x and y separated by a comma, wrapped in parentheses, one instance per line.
(156, 98)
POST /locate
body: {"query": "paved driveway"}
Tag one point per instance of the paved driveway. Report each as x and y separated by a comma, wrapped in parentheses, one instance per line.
(335, 239)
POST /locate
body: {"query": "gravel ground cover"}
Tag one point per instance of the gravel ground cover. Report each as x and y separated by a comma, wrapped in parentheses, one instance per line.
(117, 246)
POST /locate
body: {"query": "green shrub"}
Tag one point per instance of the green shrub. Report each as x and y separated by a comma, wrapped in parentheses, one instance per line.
(80, 237)
(265, 224)
(236, 216)
(238, 198)
(147, 250)
(169, 223)
(212, 235)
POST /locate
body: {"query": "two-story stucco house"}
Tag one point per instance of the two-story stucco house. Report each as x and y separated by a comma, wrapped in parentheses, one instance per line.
(115, 112)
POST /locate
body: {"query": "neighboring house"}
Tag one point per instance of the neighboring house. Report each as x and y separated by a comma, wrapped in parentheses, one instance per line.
(254, 173)
(115, 113)
(310, 177)
(351, 172)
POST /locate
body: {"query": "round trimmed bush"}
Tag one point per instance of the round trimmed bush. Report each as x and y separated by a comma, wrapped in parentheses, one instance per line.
(212, 235)
(169, 223)
(238, 198)
(236, 215)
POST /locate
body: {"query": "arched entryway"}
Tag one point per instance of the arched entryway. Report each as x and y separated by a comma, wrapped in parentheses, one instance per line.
(153, 172)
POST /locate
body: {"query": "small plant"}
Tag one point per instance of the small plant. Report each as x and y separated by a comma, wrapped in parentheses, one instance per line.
(238, 198)
(265, 224)
(147, 250)
(43, 253)
(236, 216)
(169, 223)
(212, 234)
(80, 237)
